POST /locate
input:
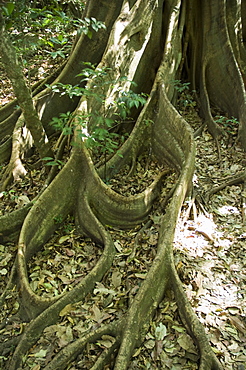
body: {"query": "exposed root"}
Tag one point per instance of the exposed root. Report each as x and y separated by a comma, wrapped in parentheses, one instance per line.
(208, 360)
(71, 351)
(58, 156)
(7, 346)
(51, 314)
(21, 142)
(5, 149)
(233, 181)
(79, 189)
(59, 204)
(199, 131)
(238, 179)
(213, 127)
(11, 223)
(106, 357)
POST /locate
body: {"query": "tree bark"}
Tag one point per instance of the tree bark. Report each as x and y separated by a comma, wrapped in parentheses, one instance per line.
(23, 93)
(153, 43)
(243, 12)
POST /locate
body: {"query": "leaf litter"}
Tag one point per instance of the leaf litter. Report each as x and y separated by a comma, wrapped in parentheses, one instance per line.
(210, 259)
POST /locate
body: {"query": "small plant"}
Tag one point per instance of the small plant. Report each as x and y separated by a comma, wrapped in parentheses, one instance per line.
(128, 100)
(181, 86)
(230, 124)
(101, 137)
(47, 27)
(61, 123)
(87, 25)
(185, 98)
(10, 194)
(58, 219)
(148, 122)
(53, 162)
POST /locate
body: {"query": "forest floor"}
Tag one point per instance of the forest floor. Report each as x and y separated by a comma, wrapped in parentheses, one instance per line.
(210, 256)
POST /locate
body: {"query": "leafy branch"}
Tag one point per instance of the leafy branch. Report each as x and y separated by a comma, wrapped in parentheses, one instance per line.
(102, 137)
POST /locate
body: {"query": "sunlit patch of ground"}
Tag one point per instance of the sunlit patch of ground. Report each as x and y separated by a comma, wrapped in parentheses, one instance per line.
(210, 255)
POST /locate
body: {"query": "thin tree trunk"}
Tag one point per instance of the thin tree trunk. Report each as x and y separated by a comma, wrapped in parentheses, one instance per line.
(22, 92)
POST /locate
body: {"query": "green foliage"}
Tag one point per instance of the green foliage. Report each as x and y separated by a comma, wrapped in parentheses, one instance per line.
(181, 86)
(10, 194)
(102, 137)
(67, 89)
(8, 9)
(88, 25)
(53, 162)
(47, 27)
(128, 100)
(148, 122)
(58, 219)
(230, 124)
(185, 98)
(61, 123)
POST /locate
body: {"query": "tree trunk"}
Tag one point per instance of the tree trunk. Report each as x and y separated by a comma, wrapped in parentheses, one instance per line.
(153, 43)
(243, 12)
(23, 93)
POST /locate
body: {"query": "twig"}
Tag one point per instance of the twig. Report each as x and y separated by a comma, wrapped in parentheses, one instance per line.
(234, 181)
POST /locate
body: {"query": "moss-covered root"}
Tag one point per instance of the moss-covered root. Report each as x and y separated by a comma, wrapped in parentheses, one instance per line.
(72, 350)
(237, 179)
(78, 293)
(11, 223)
(208, 360)
(53, 202)
(141, 312)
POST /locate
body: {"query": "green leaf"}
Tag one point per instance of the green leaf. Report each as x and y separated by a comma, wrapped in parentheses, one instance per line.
(8, 8)
(108, 122)
(160, 331)
(102, 290)
(179, 329)
(89, 34)
(149, 344)
(66, 310)
(41, 353)
(47, 159)
(47, 286)
(63, 239)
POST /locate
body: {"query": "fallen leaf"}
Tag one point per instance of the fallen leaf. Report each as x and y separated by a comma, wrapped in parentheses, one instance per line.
(66, 310)
(118, 246)
(186, 343)
(96, 313)
(238, 324)
(116, 278)
(64, 238)
(160, 331)
(41, 353)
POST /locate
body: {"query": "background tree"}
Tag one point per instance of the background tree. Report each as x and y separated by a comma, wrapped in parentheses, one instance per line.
(122, 77)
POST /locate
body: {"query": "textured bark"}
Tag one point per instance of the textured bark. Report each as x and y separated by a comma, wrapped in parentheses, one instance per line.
(152, 43)
(211, 58)
(243, 12)
(22, 92)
